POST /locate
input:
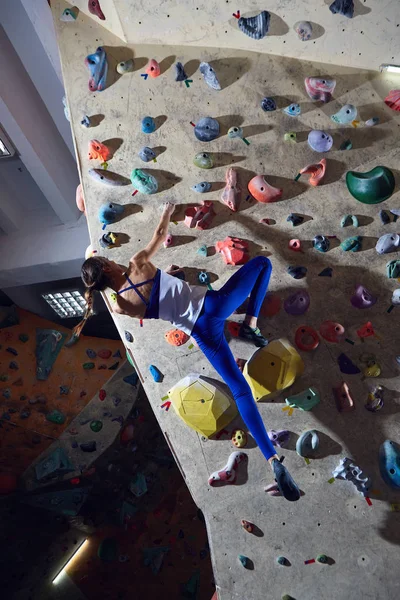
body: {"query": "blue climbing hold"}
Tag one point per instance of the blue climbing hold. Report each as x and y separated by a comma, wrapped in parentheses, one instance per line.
(132, 379)
(109, 212)
(148, 125)
(146, 154)
(128, 336)
(156, 374)
(297, 272)
(202, 251)
(295, 219)
(346, 365)
(321, 243)
(293, 110)
(207, 129)
(180, 74)
(91, 353)
(203, 277)
(244, 561)
(389, 463)
(12, 351)
(268, 104)
(202, 187)
(117, 354)
(343, 7)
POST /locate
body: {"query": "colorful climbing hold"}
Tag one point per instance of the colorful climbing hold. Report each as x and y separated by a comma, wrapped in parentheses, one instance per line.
(306, 338)
(343, 397)
(320, 89)
(114, 366)
(346, 145)
(98, 69)
(206, 129)
(304, 400)
(104, 354)
(332, 332)
(290, 136)
(371, 187)
(91, 353)
(362, 298)
(23, 337)
(180, 74)
(342, 7)
(156, 374)
(144, 182)
(303, 30)
(255, 27)
(55, 416)
(96, 426)
(297, 303)
(244, 561)
(346, 114)
(307, 443)
(146, 154)
(320, 141)
(327, 272)
(128, 336)
(203, 160)
(239, 438)
(12, 351)
(88, 446)
(102, 395)
(209, 76)
(352, 244)
(125, 66)
(247, 526)
(13, 365)
(346, 365)
(262, 191)
(297, 272)
(268, 104)
(279, 437)
(349, 220)
(389, 463)
(293, 110)
(153, 68)
(321, 243)
(88, 366)
(294, 219)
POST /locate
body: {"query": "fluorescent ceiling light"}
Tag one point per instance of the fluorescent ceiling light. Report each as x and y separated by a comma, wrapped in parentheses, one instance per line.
(58, 576)
(390, 68)
(66, 304)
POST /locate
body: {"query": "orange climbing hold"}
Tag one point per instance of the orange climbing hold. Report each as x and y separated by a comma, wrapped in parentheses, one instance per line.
(234, 251)
(153, 68)
(98, 151)
(263, 191)
(176, 337)
(316, 172)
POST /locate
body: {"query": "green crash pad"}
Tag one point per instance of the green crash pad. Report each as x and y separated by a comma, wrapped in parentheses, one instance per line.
(371, 187)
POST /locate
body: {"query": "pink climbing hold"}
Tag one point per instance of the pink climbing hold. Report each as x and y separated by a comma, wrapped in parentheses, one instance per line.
(95, 9)
(231, 192)
(200, 217)
(272, 489)
(228, 473)
(102, 395)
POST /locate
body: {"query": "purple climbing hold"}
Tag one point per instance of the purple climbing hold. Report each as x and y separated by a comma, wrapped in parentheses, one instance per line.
(119, 420)
(346, 365)
(156, 374)
(91, 353)
(362, 298)
(117, 354)
(12, 351)
(280, 437)
(116, 400)
(297, 303)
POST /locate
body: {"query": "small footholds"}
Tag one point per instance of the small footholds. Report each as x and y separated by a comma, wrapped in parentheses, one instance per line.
(169, 240)
(293, 110)
(268, 104)
(209, 76)
(290, 136)
(279, 437)
(371, 122)
(295, 245)
(297, 272)
(239, 438)
(342, 7)
(321, 243)
(202, 187)
(202, 251)
(281, 560)
(303, 30)
(153, 68)
(203, 277)
(295, 219)
(69, 14)
(322, 558)
(85, 121)
(88, 366)
(108, 240)
(349, 220)
(384, 217)
(327, 272)
(249, 527)
(128, 336)
(346, 365)
(204, 160)
(125, 66)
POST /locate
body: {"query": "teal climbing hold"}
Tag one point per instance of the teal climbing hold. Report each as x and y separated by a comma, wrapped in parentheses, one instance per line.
(349, 220)
(156, 374)
(307, 443)
(108, 549)
(305, 400)
(393, 269)
(244, 560)
(96, 426)
(372, 187)
(132, 379)
(55, 416)
(352, 244)
(202, 250)
(389, 463)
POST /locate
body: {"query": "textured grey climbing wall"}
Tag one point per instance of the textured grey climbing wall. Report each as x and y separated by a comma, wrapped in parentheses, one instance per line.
(331, 518)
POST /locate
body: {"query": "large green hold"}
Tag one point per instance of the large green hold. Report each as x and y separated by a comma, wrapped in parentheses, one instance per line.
(352, 244)
(372, 187)
(144, 182)
(108, 549)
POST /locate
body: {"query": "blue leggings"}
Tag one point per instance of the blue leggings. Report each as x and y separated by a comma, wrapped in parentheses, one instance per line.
(251, 279)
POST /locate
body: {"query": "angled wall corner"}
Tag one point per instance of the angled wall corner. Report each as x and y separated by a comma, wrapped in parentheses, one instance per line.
(112, 19)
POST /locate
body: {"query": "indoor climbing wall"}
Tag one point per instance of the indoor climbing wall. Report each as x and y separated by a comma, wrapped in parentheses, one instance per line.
(35, 412)
(358, 535)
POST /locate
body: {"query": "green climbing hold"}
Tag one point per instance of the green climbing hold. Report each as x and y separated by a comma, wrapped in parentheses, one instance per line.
(352, 244)
(3, 377)
(322, 558)
(393, 269)
(349, 220)
(96, 426)
(108, 549)
(23, 337)
(204, 160)
(88, 366)
(55, 416)
(372, 187)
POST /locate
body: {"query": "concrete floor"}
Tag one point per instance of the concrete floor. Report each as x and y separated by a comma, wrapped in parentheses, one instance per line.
(361, 540)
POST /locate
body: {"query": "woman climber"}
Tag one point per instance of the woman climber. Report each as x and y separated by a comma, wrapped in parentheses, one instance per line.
(145, 292)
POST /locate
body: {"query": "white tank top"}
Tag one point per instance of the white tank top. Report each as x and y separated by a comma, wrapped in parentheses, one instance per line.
(179, 302)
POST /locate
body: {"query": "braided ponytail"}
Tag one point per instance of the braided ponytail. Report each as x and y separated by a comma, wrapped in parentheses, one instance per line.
(95, 279)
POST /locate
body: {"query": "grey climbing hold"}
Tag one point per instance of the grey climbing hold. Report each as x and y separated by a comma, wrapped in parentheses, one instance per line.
(268, 104)
(389, 242)
(349, 219)
(88, 446)
(207, 129)
(128, 336)
(343, 7)
(180, 74)
(255, 27)
(202, 187)
(303, 30)
(209, 76)
(349, 471)
(146, 154)
(307, 443)
(125, 66)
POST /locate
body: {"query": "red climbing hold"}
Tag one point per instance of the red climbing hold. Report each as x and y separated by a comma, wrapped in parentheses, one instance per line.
(271, 305)
(366, 330)
(102, 395)
(306, 338)
(234, 250)
(104, 354)
(233, 328)
(95, 9)
(126, 434)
